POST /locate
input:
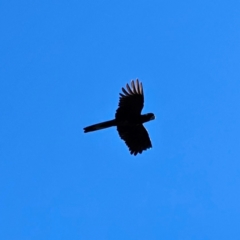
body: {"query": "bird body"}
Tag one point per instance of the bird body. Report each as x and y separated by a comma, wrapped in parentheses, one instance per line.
(128, 119)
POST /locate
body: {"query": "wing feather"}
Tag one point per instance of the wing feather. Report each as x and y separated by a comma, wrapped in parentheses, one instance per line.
(129, 89)
(133, 87)
(125, 92)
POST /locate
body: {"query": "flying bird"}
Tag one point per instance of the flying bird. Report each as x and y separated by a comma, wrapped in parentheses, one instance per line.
(128, 119)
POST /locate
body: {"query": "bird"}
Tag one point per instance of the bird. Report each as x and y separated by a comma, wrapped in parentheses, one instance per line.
(129, 120)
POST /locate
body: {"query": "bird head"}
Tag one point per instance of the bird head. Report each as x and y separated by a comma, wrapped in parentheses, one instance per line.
(151, 116)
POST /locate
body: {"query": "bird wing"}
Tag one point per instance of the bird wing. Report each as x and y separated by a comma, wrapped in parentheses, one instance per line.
(131, 101)
(136, 138)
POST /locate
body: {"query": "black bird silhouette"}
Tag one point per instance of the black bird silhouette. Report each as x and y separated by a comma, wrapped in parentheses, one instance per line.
(128, 119)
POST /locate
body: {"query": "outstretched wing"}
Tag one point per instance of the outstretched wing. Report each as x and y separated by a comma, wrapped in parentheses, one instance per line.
(135, 137)
(131, 101)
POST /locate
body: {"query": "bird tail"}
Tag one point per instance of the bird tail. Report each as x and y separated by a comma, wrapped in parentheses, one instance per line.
(100, 126)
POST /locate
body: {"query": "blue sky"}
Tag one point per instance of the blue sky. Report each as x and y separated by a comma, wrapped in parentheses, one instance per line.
(62, 66)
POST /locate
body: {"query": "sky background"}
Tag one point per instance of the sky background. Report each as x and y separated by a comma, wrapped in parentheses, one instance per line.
(62, 66)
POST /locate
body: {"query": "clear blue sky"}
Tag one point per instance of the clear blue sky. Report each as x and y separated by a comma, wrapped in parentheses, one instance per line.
(62, 66)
